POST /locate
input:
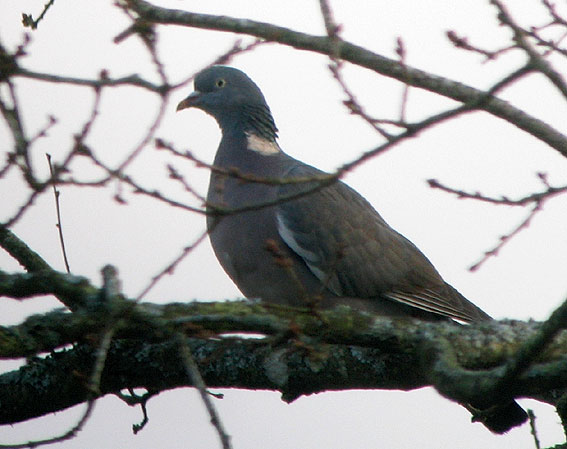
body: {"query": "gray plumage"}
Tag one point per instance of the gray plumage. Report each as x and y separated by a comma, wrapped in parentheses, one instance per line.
(300, 243)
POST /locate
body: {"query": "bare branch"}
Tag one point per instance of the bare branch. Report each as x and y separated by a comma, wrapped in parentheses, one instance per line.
(58, 225)
(463, 43)
(537, 199)
(505, 238)
(536, 60)
(503, 200)
(130, 80)
(364, 58)
(170, 268)
(28, 20)
(192, 371)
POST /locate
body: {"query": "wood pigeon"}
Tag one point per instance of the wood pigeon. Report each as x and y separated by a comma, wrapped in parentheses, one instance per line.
(286, 235)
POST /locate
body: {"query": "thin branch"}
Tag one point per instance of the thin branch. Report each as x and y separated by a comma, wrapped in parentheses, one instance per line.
(537, 61)
(130, 80)
(51, 121)
(401, 52)
(170, 268)
(463, 43)
(149, 134)
(175, 175)
(194, 375)
(59, 225)
(133, 399)
(22, 209)
(352, 102)
(506, 238)
(537, 199)
(28, 20)
(13, 119)
(503, 200)
(533, 428)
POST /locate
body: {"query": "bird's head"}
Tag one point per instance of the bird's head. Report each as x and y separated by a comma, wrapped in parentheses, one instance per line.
(233, 99)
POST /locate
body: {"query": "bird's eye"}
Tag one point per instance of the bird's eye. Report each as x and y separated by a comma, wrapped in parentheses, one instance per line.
(221, 82)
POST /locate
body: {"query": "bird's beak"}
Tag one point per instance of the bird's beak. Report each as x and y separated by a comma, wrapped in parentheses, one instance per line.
(189, 102)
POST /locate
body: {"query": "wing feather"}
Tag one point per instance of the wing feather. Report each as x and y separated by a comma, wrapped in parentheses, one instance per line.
(349, 247)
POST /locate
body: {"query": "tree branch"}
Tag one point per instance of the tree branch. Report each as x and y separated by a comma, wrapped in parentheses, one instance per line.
(362, 57)
(302, 353)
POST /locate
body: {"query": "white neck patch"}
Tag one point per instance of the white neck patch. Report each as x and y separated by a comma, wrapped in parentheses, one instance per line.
(261, 145)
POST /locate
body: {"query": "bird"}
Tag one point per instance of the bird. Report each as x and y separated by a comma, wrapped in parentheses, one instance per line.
(288, 233)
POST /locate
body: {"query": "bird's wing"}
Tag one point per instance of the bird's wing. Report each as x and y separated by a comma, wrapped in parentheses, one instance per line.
(349, 247)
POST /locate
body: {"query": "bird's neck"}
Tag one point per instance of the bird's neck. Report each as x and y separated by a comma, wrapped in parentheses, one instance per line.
(250, 120)
(249, 153)
(251, 128)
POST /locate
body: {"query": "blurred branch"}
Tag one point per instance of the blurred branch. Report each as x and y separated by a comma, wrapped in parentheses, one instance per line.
(21, 252)
(73, 291)
(103, 81)
(537, 200)
(548, 193)
(536, 60)
(170, 268)
(196, 379)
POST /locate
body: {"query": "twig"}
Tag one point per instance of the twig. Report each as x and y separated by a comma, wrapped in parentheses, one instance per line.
(401, 52)
(130, 80)
(28, 21)
(463, 43)
(328, 18)
(23, 208)
(132, 400)
(13, 119)
(503, 200)
(506, 238)
(59, 225)
(538, 199)
(353, 104)
(536, 60)
(149, 134)
(174, 174)
(533, 428)
(171, 266)
(113, 174)
(194, 375)
(51, 121)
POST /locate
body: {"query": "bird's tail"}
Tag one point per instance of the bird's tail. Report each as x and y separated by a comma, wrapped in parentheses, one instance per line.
(500, 418)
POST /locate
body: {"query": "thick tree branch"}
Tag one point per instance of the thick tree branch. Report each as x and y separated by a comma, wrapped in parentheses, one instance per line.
(303, 353)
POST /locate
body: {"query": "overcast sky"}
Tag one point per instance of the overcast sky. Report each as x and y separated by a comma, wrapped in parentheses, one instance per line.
(475, 152)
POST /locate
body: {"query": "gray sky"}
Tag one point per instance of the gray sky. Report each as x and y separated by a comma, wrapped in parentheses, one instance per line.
(476, 152)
